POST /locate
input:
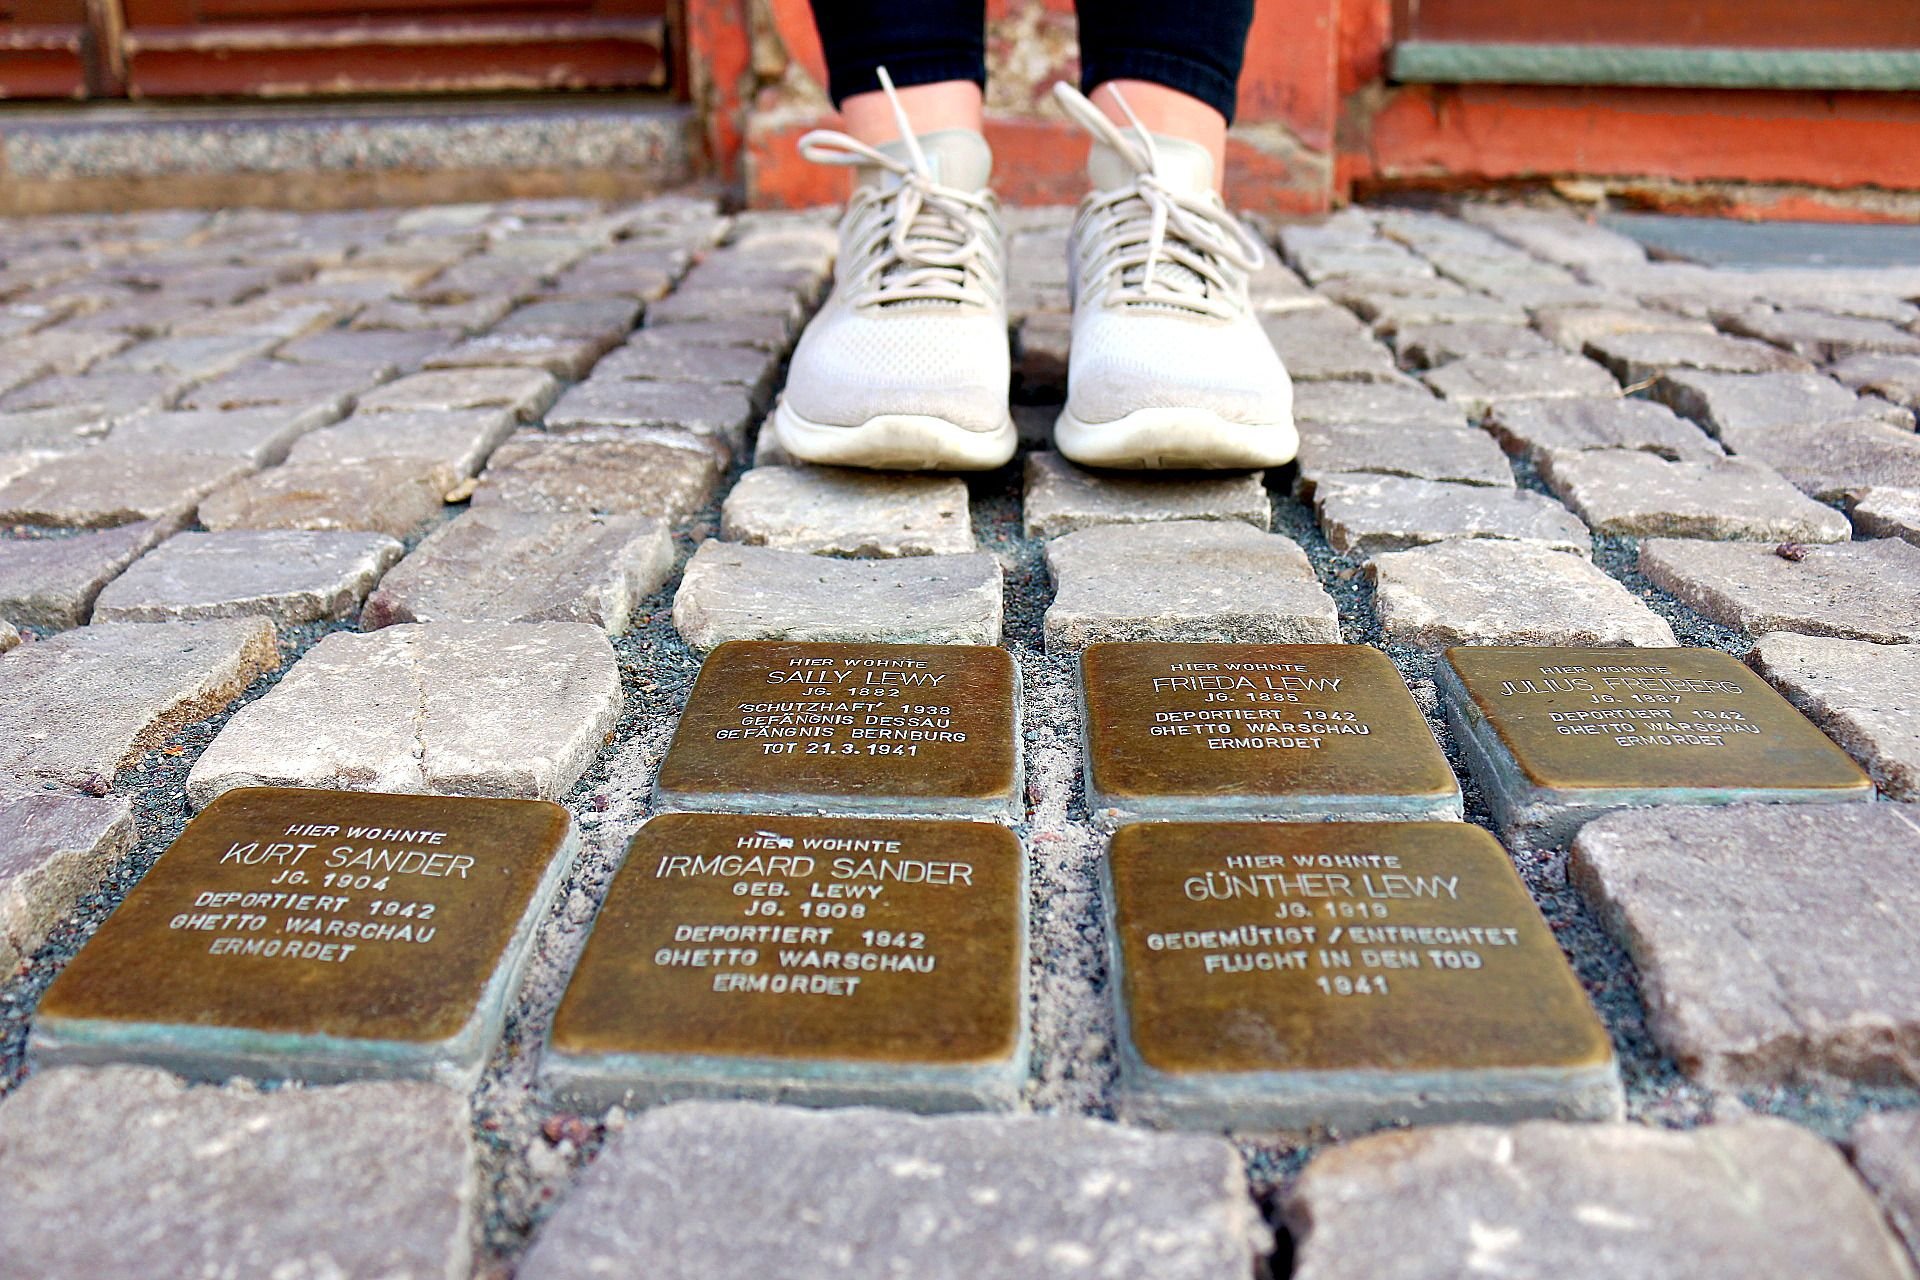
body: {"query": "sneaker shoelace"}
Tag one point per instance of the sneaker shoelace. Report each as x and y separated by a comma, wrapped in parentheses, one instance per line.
(916, 241)
(1160, 247)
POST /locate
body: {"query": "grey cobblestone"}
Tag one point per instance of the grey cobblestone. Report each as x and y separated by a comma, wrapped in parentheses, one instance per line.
(77, 707)
(1628, 494)
(710, 1189)
(52, 582)
(403, 350)
(1712, 905)
(1373, 403)
(835, 512)
(1573, 327)
(527, 392)
(107, 397)
(1557, 237)
(1637, 358)
(615, 471)
(734, 592)
(720, 410)
(262, 437)
(1754, 1198)
(103, 487)
(1886, 1151)
(1893, 378)
(195, 358)
(1536, 429)
(1483, 591)
(1732, 404)
(1478, 384)
(1427, 346)
(1865, 696)
(288, 575)
(54, 847)
(1882, 512)
(494, 564)
(1820, 336)
(445, 708)
(1326, 344)
(454, 444)
(1184, 580)
(557, 354)
(1396, 313)
(1836, 461)
(209, 1180)
(1458, 454)
(1854, 590)
(654, 356)
(394, 496)
(1061, 497)
(330, 387)
(1364, 515)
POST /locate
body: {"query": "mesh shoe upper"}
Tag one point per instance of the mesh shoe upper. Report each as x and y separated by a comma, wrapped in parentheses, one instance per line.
(917, 321)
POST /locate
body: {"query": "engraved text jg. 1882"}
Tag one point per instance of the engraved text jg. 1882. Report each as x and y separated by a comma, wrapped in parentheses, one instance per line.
(777, 726)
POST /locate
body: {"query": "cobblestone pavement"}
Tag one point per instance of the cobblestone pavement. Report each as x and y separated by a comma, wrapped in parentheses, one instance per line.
(454, 498)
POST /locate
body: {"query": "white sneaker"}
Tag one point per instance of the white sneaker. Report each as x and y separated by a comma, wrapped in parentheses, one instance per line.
(1168, 366)
(906, 366)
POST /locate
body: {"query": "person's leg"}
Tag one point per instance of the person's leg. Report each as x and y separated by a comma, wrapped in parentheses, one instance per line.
(1177, 65)
(934, 51)
(1170, 367)
(906, 364)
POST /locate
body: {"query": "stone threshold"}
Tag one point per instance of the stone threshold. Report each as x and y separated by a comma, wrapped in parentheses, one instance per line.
(343, 154)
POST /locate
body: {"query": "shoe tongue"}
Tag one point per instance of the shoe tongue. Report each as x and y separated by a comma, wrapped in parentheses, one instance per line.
(958, 158)
(1181, 164)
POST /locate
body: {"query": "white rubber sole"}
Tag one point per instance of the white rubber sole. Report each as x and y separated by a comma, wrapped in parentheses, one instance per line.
(895, 442)
(1175, 440)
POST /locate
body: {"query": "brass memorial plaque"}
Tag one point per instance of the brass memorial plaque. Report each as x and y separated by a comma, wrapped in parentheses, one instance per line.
(1301, 975)
(775, 726)
(1252, 730)
(1558, 736)
(316, 935)
(820, 960)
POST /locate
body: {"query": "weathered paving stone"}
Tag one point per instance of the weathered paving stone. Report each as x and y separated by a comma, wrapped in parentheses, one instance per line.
(260, 436)
(763, 333)
(1364, 515)
(1427, 346)
(52, 582)
(734, 592)
(1184, 580)
(57, 351)
(1483, 591)
(78, 706)
(1819, 335)
(1061, 497)
(699, 1190)
(1373, 403)
(1322, 343)
(1745, 404)
(362, 348)
(609, 318)
(108, 397)
(394, 496)
(653, 356)
(947, 1033)
(288, 575)
(493, 564)
(1713, 907)
(275, 382)
(527, 392)
(1559, 735)
(1458, 454)
(1331, 1037)
(1758, 1197)
(203, 1179)
(1836, 461)
(47, 431)
(1477, 384)
(557, 354)
(721, 410)
(835, 512)
(624, 471)
(1854, 590)
(1572, 327)
(460, 317)
(451, 708)
(195, 358)
(455, 443)
(1886, 1151)
(1635, 358)
(103, 487)
(1882, 512)
(1537, 428)
(1893, 378)
(1390, 313)
(1628, 494)
(54, 847)
(1866, 697)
